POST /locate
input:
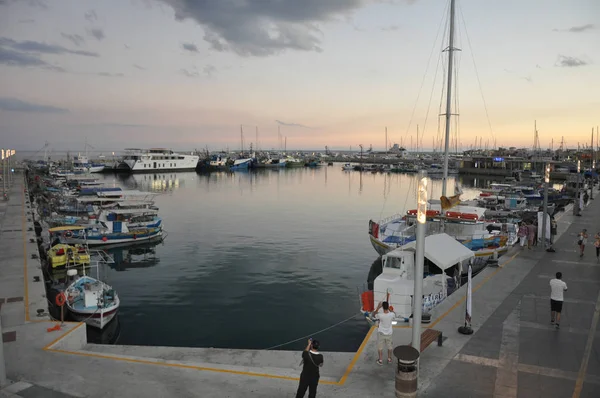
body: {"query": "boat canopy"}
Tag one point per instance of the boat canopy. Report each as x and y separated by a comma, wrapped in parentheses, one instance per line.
(441, 249)
(66, 228)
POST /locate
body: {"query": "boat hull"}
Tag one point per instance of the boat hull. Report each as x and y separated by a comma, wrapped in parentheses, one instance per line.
(98, 320)
(115, 238)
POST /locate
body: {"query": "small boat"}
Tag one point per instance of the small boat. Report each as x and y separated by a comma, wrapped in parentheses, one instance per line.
(445, 260)
(110, 233)
(241, 164)
(347, 167)
(60, 255)
(91, 301)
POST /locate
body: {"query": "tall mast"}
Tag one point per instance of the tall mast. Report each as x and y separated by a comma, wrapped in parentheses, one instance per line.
(242, 138)
(417, 139)
(386, 141)
(257, 139)
(448, 96)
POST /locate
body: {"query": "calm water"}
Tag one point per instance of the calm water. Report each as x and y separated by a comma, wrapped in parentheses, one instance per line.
(253, 260)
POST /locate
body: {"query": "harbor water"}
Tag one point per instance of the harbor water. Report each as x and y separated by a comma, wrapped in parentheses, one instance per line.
(255, 259)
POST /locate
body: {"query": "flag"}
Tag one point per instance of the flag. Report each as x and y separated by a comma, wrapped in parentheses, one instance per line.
(469, 296)
(449, 202)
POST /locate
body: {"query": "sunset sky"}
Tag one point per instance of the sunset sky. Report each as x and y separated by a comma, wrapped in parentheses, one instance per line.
(186, 74)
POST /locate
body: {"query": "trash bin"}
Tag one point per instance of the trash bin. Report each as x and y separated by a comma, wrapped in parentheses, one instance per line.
(406, 373)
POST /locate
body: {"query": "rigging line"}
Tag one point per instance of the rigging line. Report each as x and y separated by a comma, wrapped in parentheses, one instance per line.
(476, 73)
(431, 94)
(426, 70)
(313, 334)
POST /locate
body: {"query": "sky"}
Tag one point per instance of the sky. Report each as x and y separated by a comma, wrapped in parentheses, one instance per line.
(190, 74)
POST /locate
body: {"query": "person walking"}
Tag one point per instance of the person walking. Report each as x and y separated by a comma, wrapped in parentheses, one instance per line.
(597, 245)
(582, 241)
(384, 330)
(522, 234)
(530, 234)
(312, 361)
(557, 289)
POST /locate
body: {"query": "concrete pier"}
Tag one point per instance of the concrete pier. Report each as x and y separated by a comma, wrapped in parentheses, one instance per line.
(512, 352)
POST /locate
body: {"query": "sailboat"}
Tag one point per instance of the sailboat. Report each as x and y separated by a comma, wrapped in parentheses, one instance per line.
(464, 223)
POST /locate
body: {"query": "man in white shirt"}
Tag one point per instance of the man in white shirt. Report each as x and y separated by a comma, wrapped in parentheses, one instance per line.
(557, 289)
(384, 330)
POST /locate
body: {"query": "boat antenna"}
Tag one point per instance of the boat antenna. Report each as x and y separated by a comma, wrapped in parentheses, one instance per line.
(450, 50)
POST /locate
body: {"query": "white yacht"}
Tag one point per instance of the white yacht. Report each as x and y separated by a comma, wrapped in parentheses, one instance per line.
(158, 159)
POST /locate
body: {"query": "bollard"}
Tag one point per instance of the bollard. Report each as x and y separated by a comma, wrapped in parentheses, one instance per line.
(407, 371)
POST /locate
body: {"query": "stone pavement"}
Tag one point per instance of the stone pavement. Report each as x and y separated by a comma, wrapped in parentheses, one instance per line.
(517, 353)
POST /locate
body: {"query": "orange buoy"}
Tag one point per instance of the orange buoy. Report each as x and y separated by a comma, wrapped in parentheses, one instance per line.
(60, 299)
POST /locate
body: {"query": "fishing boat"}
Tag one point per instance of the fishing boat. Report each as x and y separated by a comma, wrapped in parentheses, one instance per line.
(81, 163)
(347, 167)
(61, 254)
(106, 233)
(91, 301)
(444, 262)
(465, 223)
(241, 164)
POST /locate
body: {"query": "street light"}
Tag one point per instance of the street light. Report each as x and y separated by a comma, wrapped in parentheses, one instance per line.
(576, 208)
(545, 206)
(419, 259)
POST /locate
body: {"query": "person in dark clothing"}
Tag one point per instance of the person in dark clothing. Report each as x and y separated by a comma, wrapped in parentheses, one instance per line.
(312, 360)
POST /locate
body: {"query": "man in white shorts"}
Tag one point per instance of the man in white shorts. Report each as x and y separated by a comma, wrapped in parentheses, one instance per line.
(384, 330)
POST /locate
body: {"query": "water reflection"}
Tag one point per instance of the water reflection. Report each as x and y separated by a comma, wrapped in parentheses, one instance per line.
(153, 182)
(138, 256)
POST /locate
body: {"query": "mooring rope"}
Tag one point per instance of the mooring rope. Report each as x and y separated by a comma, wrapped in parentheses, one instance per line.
(313, 334)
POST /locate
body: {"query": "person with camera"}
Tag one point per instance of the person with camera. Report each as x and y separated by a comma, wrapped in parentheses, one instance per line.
(312, 360)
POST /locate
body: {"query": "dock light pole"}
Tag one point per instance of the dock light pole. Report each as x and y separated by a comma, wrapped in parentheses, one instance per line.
(576, 208)
(3, 175)
(419, 259)
(545, 206)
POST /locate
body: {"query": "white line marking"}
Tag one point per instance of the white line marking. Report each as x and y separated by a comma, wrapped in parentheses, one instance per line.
(507, 376)
(588, 349)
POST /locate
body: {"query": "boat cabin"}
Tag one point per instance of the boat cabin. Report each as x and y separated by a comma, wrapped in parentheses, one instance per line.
(444, 258)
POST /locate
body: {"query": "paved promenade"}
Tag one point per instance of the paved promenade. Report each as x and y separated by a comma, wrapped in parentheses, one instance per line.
(513, 353)
(516, 352)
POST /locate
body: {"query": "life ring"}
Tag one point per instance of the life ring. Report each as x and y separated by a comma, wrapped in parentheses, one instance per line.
(68, 234)
(60, 299)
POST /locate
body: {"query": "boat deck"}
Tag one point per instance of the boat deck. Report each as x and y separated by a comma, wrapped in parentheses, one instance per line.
(513, 352)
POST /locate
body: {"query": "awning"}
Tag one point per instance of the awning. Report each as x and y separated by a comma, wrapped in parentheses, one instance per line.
(441, 249)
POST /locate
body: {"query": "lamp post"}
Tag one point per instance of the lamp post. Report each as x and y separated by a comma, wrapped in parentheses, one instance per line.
(419, 259)
(545, 206)
(3, 175)
(576, 208)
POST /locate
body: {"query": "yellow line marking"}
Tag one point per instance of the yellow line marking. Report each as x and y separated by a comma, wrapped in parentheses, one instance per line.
(587, 351)
(25, 276)
(47, 348)
(356, 356)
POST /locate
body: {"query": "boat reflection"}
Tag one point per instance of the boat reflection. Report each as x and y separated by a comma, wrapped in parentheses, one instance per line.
(109, 335)
(153, 182)
(138, 256)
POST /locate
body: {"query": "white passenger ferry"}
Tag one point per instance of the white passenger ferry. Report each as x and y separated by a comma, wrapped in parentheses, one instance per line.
(158, 159)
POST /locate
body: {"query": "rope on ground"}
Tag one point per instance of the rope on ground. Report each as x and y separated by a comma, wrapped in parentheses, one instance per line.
(315, 333)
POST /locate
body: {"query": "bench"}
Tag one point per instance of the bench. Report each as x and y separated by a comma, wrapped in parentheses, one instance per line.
(429, 336)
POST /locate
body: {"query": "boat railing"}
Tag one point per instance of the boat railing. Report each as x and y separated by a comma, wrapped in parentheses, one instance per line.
(390, 218)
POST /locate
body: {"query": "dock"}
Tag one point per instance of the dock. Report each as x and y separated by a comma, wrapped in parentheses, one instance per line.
(514, 351)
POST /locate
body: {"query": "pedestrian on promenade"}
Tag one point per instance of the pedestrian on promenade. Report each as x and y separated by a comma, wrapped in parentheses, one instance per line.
(582, 241)
(557, 289)
(597, 245)
(522, 234)
(530, 234)
(553, 232)
(384, 330)
(312, 360)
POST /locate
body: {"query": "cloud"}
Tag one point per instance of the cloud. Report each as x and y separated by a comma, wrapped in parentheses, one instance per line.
(391, 28)
(207, 71)
(18, 59)
(261, 28)
(191, 47)
(138, 67)
(577, 29)
(29, 46)
(91, 16)
(16, 105)
(291, 124)
(97, 33)
(108, 74)
(75, 39)
(569, 62)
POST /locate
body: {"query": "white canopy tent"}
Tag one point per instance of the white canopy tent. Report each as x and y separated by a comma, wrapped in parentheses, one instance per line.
(441, 249)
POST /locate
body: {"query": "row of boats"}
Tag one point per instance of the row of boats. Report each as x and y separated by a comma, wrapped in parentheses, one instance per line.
(80, 218)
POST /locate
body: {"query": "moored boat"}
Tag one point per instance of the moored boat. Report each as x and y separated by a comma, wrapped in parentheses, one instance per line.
(92, 301)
